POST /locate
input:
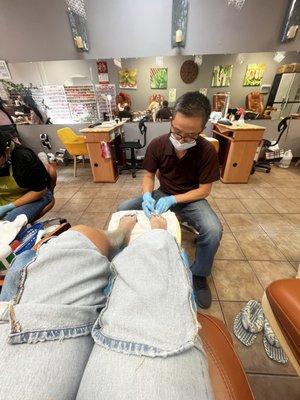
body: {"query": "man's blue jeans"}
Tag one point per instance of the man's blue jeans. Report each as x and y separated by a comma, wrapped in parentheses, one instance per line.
(200, 215)
(31, 210)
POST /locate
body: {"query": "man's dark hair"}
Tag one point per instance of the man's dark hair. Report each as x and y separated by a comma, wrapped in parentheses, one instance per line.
(165, 103)
(193, 104)
(5, 141)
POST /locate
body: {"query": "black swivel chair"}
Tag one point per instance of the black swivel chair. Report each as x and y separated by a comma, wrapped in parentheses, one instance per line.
(133, 164)
(264, 164)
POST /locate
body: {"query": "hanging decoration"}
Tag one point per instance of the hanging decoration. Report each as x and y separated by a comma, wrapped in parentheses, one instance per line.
(78, 23)
(279, 56)
(189, 71)
(236, 3)
(179, 22)
(240, 58)
(172, 95)
(203, 91)
(159, 60)
(117, 62)
(198, 60)
(4, 71)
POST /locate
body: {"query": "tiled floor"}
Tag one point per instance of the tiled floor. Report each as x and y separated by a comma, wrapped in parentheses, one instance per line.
(261, 243)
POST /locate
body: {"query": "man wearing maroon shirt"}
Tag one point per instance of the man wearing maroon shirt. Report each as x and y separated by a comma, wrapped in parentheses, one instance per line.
(186, 165)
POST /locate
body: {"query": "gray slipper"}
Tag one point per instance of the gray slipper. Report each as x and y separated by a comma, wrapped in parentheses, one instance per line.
(272, 345)
(249, 322)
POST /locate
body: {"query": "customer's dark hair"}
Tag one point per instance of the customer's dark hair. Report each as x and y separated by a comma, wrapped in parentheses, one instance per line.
(193, 104)
(5, 141)
(29, 102)
(165, 103)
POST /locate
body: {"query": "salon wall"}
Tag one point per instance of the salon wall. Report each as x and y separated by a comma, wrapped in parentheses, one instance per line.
(30, 134)
(61, 72)
(35, 30)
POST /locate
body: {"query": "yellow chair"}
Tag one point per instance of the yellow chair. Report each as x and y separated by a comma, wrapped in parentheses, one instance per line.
(75, 144)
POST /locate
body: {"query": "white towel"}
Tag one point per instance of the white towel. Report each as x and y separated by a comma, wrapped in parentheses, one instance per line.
(9, 230)
(143, 224)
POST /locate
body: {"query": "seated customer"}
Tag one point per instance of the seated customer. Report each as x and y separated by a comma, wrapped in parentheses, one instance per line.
(146, 337)
(125, 113)
(165, 112)
(187, 165)
(24, 181)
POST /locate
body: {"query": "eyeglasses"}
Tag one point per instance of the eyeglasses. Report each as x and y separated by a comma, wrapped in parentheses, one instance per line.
(187, 137)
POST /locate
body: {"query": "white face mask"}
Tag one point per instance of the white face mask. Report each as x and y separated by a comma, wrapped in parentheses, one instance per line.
(182, 146)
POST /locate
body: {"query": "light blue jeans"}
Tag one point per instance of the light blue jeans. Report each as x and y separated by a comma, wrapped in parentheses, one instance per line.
(146, 337)
(31, 210)
(45, 339)
(200, 215)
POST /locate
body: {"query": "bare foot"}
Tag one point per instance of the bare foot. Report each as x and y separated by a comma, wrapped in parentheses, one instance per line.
(126, 224)
(158, 222)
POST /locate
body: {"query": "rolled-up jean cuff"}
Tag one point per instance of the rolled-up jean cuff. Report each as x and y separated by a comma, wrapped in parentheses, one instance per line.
(33, 323)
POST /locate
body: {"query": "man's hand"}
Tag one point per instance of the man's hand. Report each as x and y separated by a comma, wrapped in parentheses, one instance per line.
(148, 204)
(5, 209)
(164, 203)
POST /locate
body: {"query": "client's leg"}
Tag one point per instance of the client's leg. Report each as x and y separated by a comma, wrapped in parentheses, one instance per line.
(146, 341)
(45, 337)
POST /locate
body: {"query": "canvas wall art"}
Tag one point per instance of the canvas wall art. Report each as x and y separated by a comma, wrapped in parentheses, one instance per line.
(221, 75)
(254, 74)
(128, 78)
(158, 78)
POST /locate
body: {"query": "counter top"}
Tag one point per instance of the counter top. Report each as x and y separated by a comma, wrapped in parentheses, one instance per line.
(235, 126)
(100, 128)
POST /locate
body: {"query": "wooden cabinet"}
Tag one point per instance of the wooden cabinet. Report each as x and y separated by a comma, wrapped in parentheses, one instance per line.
(104, 169)
(238, 145)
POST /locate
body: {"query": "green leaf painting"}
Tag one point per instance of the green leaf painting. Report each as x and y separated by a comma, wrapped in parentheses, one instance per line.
(158, 78)
(222, 75)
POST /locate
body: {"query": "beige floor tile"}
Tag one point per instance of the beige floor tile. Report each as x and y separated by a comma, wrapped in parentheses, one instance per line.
(111, 193)
(96, 220)
(59, 203)
(236, 281)
(274, 387)
(245, 193)
(290, 193)
(222, 192)
(101, 205)
(229, 249)
(90, 184)
(242, 223)
(294, 219)
(274, 223)
(226, 228)
(269, 193)
(284, 206)
(289, 244)
(66, 192)
(76, 205)
(130, 192)
(214, 310)
(258, 206)
(86, 193)
(230, 206)
(258, 247)
(254, 358)
(269, 271)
